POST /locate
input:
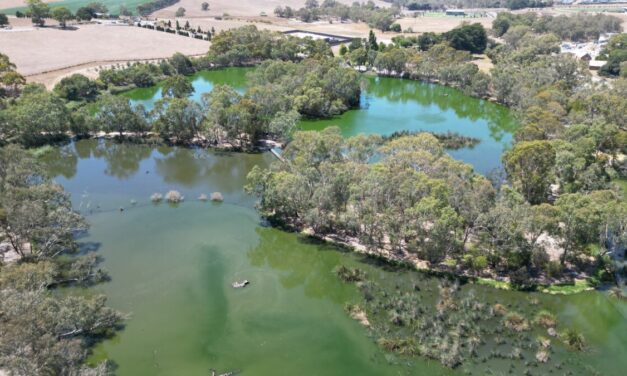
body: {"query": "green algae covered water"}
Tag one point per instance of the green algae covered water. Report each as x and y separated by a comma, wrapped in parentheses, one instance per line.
(389, 105)
(171, 268)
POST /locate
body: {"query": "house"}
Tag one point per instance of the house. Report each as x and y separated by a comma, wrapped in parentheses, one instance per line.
(596, 64)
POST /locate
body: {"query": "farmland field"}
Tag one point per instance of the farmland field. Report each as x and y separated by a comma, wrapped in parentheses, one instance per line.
(10, 6)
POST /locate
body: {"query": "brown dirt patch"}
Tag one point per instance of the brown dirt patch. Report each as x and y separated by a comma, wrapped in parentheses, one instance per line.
(36, 51)
(236, 7)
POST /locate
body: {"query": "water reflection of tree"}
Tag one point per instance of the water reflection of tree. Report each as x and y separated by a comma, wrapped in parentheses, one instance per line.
(224, 172)
(500, 122)
(122, 160)
(61, 161)
(302, 264)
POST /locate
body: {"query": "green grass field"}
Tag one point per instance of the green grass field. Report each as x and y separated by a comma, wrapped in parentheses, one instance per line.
(73, 5)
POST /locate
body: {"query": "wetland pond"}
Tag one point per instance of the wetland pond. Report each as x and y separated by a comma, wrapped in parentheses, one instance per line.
(172, 266)
(391, 105)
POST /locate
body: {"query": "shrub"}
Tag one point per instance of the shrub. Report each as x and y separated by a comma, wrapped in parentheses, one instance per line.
(350, 275)
(516, 322)
(76, 87)
(546, 319)
(542, 356)
(554, 269)
(174, 197)
(401, 346)
(573, 339)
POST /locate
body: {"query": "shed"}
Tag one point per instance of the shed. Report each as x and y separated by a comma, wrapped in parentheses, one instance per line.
(455, 12)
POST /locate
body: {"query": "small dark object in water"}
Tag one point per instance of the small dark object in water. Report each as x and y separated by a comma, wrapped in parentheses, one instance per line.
(239, 285)
(121, 209)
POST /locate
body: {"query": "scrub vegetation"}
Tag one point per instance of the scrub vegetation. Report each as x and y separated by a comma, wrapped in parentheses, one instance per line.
(417, 316)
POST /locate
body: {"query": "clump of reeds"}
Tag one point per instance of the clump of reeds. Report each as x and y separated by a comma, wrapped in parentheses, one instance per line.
(350, 274)
(617, 293)
(573, 339)
(401, 346)
(174, 197)
(516, 322)
(546, 319)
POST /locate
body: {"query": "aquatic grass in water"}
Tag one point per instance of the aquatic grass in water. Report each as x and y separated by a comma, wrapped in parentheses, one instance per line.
(455, 327)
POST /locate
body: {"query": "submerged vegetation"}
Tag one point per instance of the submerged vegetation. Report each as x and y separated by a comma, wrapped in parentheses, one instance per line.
(457, 328)
(448, 140)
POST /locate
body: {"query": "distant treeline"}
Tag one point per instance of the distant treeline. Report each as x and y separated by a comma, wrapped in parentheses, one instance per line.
(578, 27)
(153, 6)
(424, 5)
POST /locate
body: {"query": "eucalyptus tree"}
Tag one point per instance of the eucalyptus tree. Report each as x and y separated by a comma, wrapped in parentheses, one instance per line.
(115, 114)
(178, 118)
(37, 115)
(177, 86)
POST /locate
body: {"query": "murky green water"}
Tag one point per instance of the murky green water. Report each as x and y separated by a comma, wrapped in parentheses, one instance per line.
(389, 105)
(172, 266)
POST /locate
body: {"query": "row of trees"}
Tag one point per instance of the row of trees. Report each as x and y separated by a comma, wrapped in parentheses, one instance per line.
(38, 11)
(44, 332)
(578, 27)
(153, 6)
(445, 4)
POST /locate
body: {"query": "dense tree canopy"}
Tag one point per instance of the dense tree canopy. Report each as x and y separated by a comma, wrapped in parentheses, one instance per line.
(616, 53)
(579, 27)
(469, 37)
(44, 332)
(76, 87)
